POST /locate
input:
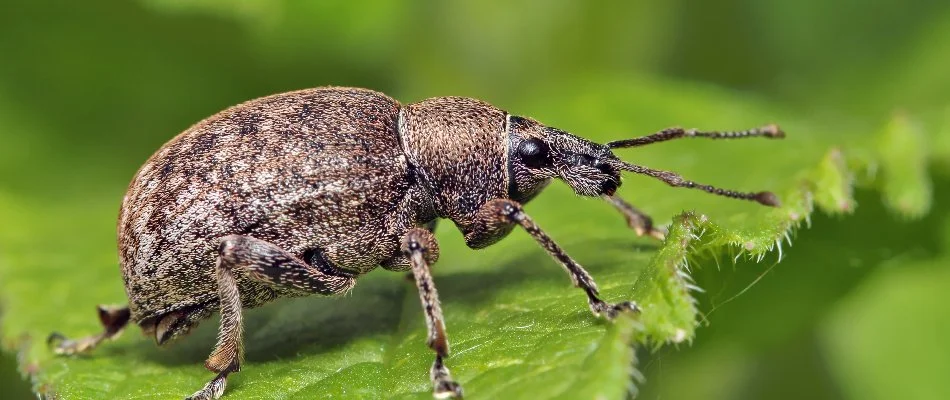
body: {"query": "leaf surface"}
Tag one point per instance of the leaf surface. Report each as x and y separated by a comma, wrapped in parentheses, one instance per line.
(517, 327)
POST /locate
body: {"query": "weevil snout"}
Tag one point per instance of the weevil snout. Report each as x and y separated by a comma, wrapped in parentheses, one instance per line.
(540, 153)
(607, 176)
(608, 186)
(589, 169)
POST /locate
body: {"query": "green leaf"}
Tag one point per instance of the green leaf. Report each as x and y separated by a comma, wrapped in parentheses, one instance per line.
(904, 304)
(906, 185)
(855, 311)
(517, 327)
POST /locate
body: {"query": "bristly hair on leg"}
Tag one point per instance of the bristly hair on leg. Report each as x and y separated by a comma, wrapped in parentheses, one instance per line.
(673, 179)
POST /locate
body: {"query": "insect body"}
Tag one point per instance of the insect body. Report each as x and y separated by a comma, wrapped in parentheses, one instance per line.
(301, 193)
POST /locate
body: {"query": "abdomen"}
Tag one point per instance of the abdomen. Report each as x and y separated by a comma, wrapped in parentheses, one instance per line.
(319, 169)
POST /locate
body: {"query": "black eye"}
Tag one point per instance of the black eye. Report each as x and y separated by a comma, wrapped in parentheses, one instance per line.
(534, 153)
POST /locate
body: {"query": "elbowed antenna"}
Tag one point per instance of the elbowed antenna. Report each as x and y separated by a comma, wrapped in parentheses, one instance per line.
(673, 179)
(771, 131)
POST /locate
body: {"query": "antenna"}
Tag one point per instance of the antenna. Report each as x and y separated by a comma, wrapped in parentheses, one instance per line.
(673, 179)
(770, 131)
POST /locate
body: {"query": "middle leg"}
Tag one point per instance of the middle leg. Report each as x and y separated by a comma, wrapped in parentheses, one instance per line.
(420, 246)
(641, 223)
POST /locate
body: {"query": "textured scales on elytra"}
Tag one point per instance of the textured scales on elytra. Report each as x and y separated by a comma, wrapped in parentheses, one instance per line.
(301, 193)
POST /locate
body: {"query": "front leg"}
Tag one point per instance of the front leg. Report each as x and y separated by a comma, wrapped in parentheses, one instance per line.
(421, 248)
(641, 223)
(499, 216)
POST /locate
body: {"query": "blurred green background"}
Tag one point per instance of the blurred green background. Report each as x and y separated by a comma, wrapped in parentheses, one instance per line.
(88, 91)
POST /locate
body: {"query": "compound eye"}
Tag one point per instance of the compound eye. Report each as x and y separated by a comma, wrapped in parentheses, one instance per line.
(534, 153)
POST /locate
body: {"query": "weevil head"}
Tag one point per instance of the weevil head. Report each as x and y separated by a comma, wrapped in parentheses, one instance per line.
(539, 153)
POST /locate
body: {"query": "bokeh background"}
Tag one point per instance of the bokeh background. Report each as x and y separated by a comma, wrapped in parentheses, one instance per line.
(89, 89)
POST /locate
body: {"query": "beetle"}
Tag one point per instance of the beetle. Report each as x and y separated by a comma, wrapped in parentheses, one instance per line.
(303, 192)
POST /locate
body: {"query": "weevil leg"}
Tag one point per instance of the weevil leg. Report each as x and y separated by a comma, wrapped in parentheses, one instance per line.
(420, 246)
(429, 226)
(641, 223)
(113, 319)
(499, 216)
(265, 262)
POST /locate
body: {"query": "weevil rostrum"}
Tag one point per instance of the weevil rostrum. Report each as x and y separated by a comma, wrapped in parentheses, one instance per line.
(303, 192)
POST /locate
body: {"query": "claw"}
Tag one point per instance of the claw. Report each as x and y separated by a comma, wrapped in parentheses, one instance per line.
(659, 234)
(443, 387)
(54, 338)
(447, 390)
(611, 311)
(62, 345)
(213, 390)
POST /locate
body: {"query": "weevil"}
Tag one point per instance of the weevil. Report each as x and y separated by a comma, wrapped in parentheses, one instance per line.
(301, 193)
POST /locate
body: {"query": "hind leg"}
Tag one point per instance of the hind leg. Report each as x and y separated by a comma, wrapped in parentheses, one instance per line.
(265, 262)
(113, 320)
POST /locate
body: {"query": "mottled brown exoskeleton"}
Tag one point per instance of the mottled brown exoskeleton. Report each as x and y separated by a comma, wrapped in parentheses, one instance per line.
(303, 192)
